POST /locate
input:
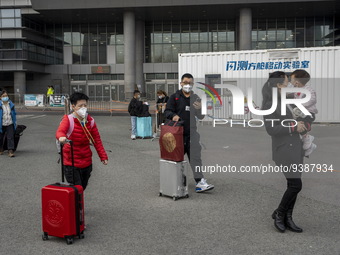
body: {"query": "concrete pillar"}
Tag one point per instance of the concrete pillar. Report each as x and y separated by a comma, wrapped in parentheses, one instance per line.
(20, 84)
(140, 24)
(129, 54)
(245, 28)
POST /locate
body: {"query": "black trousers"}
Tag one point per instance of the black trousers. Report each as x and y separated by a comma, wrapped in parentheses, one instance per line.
(81, 175)
(192, 148)
(9, 132)
(294, 186)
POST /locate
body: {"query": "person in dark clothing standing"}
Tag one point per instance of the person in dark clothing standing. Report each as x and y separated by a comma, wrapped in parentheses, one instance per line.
(186, 106)
(160, 106)
(135, 108)
(287, 150)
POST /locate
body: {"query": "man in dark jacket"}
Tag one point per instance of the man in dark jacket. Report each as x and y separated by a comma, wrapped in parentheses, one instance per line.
(135, 108)
(186, 106)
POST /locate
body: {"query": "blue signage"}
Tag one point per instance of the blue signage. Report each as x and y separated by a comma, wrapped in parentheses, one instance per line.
(246, 65)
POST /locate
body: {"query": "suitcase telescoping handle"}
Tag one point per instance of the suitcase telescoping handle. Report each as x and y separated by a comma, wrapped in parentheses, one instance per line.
(62, 159)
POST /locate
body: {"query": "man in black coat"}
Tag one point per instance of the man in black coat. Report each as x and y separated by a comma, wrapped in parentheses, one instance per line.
(184, 105)
(135, 108)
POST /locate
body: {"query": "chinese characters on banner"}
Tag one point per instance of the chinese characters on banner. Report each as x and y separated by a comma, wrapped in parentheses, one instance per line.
(246, 65)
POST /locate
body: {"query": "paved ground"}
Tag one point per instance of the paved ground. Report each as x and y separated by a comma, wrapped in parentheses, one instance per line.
(124, 214)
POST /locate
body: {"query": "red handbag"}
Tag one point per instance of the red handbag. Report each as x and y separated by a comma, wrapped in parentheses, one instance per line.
(171, 141)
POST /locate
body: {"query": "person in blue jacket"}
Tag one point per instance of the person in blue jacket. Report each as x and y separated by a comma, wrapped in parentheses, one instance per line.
(7, 123)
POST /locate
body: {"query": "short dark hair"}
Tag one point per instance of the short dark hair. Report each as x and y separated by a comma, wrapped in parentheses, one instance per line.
(187, 75)
(77, 96)
(2, 92)
(301, 75)
(136, 91)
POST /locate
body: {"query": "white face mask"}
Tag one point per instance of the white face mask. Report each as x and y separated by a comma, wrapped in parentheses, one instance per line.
(160, 97)
(290, 85)
(187, 88)
(82, 112)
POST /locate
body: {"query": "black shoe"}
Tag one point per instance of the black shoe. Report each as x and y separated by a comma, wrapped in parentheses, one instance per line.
(290, 223)
(279, 221)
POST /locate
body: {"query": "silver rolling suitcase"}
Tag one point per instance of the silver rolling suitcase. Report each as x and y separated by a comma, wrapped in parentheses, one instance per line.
(173, 179)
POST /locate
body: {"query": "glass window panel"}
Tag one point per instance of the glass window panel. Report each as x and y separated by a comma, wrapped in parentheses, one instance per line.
(185, 48)
(82, 77)
(120, 76)
(271, 45)
(160, 76)
(194, 47)
(194, 37)
(102, 54)
(230, 36)
(222, 26)
(7, 13)
(222, 36)
(93, 55)
(76, 52)
(76, 38)
(18, 23)
(281, 24)
(17, 13)
(120, 54)
(8, 23)
(204, 37)
(185, 36)
(215, 36)
(93, 35)
(91, 77)
(271, 24)
(230, 46)
(280, 45)
(150, 76)
(167, 38)
(261, 45)
(281, 35)
(271, 35)
(157, 37)
(176, 37)
(262, 36)
(300, 37)
(156, 56)
(67, 34)
(254, 36)
(204, 47)
(175, 51)
(107, 77)
(111, 32)
(74, 77)
(7, 44)
(167, 53)
(170, 76)
(98, 77)
(215, 47)
(85, 57)
(222, 47)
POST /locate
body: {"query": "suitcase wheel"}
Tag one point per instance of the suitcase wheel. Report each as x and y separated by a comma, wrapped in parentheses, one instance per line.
(81, 236)
(174, 198)
(69, 240)
(187, 195)
(160, 194)
(45, 237)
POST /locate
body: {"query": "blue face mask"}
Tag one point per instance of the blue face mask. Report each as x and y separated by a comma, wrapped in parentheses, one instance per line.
(5, 99)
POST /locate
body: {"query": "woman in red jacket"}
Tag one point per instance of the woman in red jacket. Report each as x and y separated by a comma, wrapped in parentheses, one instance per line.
(80, 128)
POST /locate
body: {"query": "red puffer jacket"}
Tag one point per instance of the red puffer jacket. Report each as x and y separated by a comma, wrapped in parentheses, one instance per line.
(81, 144)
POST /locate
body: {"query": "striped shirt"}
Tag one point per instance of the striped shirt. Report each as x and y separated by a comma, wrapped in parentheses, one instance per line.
(6, 116)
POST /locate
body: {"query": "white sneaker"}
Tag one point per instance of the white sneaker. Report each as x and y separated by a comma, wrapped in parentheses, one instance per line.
(310, 150)
(133, 137)
(203, 186)
(307, 141)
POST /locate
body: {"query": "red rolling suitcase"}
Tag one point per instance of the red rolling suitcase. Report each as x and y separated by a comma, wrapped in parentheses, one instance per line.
(63, 209)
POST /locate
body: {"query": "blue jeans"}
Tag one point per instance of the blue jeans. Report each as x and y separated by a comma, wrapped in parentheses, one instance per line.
(134, 125)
